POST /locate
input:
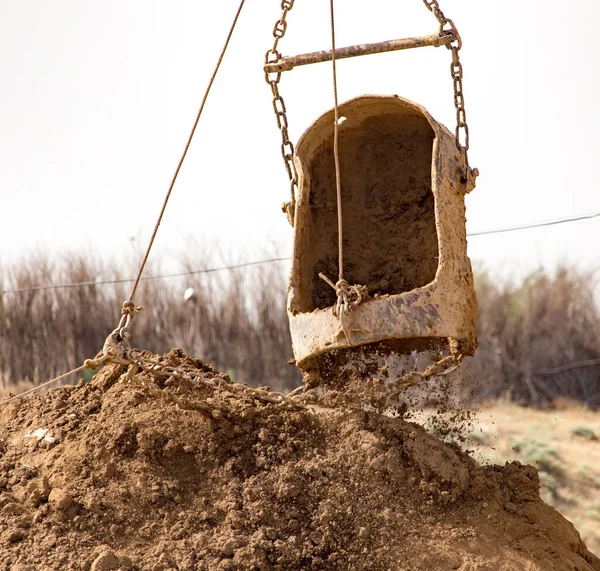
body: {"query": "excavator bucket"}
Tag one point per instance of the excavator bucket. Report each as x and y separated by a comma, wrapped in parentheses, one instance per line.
(404, 237)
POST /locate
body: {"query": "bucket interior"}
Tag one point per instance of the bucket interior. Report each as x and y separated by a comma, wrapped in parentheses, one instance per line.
(390, 241)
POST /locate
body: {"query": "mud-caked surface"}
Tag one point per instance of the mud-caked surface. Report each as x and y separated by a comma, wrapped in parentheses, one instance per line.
(132, 472)
(387, 204)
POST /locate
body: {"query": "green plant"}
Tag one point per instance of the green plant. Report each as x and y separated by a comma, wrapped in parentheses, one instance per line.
(584, 432)
(538, 453)
(593, 512)
(549, 485)
(583, 471)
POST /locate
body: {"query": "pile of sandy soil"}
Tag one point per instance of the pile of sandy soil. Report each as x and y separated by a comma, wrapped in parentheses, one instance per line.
(137, 474)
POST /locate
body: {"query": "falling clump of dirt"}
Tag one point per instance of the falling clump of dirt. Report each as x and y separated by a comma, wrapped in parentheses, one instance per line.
(136, 472)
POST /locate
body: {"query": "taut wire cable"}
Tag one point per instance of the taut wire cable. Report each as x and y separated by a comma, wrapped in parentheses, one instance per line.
(184, 154)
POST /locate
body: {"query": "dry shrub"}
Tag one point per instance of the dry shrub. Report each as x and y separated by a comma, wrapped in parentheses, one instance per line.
(237, 321)
(539, 340)
(533, 337)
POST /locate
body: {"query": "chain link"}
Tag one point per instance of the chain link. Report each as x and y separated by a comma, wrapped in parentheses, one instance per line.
(296, 398)
(442, 367)
(389, 395)
(263, 394)
(287, 148)
(117, 350)
(461, 133)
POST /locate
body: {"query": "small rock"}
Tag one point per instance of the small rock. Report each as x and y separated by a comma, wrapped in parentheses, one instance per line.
(106, 561)
(16, 535)
(510, 508)
(13, 508)
(227, 549)
(38, 517)
(37, 491)
(454, 561)
(59, 404)
(60, 499)
(126, 562)
(92, 505)
(110, 470)
(232, 545)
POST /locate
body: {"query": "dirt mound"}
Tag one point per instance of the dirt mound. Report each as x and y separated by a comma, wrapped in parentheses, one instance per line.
(131, 473)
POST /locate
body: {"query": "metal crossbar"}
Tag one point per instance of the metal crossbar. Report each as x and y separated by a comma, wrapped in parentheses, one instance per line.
(287, 63)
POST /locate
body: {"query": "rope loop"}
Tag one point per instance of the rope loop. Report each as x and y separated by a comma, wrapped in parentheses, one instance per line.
(129, 308)
(128, 312)
(96, 361)
(348, 296)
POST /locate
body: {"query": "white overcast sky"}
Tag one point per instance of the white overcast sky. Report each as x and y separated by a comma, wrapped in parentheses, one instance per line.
(98, 98)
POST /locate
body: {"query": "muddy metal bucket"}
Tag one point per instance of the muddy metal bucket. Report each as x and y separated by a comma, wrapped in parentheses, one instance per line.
(404, 234)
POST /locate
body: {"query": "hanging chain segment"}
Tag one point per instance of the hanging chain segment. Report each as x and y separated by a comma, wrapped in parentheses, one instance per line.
(301, 398)
(218, 384)
(287, 147)
(461, 133)
(273, 56)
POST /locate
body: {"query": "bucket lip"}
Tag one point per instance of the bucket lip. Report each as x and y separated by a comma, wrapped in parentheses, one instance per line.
(307, 140)
(421, 313)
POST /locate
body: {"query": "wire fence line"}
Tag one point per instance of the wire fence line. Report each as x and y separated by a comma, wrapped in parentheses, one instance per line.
(538, 338)
(541, 224)
(236, 320)
(145, 278)
(537, 224)
(568, 367)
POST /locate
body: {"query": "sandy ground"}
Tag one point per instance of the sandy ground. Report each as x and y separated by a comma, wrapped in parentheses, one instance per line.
(563, 444)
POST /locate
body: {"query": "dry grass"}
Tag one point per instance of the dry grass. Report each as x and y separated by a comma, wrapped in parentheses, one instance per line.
(536, 337)
(238, 322)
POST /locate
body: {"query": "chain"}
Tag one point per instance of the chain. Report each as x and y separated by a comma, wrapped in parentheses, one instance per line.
(122, 354)
(287, 147)
(461, 133)
(440, 368)
(117, 350)
(381, 398)
(219, 384)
